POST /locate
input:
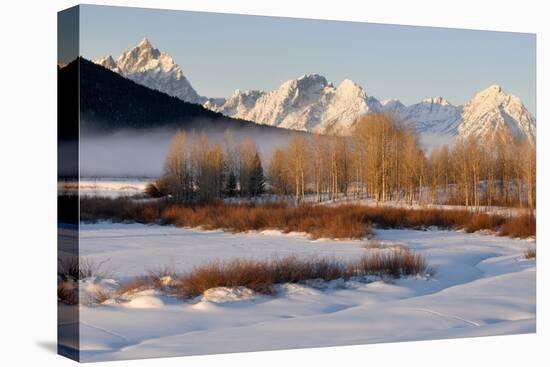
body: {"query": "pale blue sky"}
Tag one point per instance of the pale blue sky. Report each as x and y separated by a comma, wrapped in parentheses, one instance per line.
(220, 53)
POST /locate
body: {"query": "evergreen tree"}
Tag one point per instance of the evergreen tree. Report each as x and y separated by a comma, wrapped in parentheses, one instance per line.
(231, 185)
(256, 184)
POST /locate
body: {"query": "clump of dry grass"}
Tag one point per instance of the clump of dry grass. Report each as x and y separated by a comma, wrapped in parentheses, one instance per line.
(521, 226)
(530, 253)
(261, 275)
(75, 268)
(396, 263)
(249, 273)
(72, 269)
(99, 296)
(136, 285)
(163, 279)
(483, 221)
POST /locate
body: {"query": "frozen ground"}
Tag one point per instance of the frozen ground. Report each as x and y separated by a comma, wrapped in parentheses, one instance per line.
(483, 286)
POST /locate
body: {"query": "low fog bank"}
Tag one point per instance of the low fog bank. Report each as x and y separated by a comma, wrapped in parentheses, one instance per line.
(131, 153)
(141, 153)
(430, 141)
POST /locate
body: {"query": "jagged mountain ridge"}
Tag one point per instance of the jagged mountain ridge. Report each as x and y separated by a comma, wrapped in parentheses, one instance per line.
(311, 103)
(328, 109)
(308, 103)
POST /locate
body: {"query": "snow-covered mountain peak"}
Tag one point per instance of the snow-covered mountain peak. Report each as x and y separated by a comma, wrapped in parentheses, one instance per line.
(142, 57)
(437, 100)
(494, 89)
(313, 83)
(313, 78)
(145, 43)
(493, 110)
(392, 103)
(248, 92)
(492, 94)
(493, 97)
(148, 66)
(349, 87)
(236, 93)
(345, 104)
(348, 83)
(107, 62)
(348, 92)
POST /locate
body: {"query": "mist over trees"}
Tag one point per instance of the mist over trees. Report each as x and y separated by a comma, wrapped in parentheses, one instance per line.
(382, 161)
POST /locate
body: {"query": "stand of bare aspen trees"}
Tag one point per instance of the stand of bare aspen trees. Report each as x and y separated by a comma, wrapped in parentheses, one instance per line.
(196, 170)
(382, 160)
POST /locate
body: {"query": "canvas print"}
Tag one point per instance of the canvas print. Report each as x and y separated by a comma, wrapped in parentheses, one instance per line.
(235, 183)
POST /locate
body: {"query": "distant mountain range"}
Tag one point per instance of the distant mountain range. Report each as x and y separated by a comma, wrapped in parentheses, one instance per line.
(311, 103)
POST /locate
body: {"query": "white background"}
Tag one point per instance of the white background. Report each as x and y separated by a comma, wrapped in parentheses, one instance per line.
(28, 181)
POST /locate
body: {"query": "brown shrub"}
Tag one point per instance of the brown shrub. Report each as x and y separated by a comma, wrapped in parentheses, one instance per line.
(74, 268)
(341, 226)
(261, 275)
(417, 218)
(293, 269)
(163, 279)
(482, 221)
(136, 285)
(521, 226)
(530, 253)
(99, 296)
(249, 273)
(150, 214)
(396, 263)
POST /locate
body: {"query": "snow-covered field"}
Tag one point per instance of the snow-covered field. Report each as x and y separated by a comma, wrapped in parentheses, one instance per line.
(483, 286)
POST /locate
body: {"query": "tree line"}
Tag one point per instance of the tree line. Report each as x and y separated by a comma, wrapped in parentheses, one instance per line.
(197, 170)
(382, 160)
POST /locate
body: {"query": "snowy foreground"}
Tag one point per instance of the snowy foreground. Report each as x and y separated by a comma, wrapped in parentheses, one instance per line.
(483, 286)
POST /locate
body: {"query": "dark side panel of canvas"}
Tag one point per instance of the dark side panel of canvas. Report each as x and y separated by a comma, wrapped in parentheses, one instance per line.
(67, 159)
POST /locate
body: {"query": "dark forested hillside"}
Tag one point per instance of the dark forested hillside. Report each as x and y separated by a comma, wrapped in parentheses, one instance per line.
(110, 102)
